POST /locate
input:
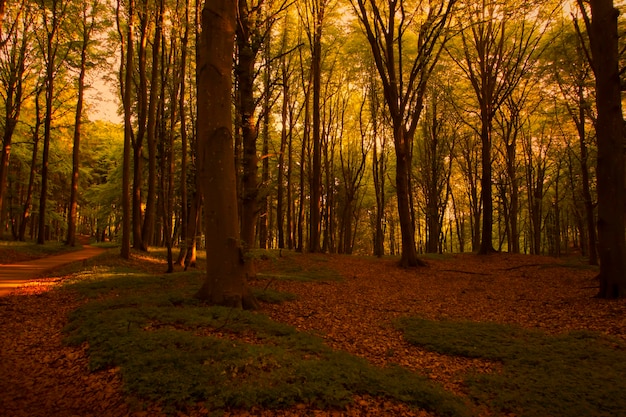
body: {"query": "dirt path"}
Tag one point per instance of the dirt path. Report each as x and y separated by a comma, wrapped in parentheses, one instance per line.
(15, 275)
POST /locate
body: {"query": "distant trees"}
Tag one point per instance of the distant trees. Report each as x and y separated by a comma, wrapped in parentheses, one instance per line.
(385, 25)
(498, 48)
(476, 122)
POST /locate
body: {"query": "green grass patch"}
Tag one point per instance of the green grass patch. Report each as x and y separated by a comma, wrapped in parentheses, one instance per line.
(176, 351)
(571, 375)
(11, 251)
(107, 244)
(436, 256)
(291, 266)
(271, 296)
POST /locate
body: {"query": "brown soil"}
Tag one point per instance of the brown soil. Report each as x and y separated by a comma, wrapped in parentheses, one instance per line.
(42, 377)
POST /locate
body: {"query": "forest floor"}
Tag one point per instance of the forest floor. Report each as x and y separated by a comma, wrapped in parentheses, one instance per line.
(20, 269)
(42, 376)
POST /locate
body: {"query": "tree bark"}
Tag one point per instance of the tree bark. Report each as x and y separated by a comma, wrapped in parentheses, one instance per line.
(225, 282)
(610, 134)
(26, 212)
(147, 230)
(51, 48)
(73, 203)
(13, 103)
(280, 214)
(184, 194)
(316, 166)
(128, 131)
(245, 72)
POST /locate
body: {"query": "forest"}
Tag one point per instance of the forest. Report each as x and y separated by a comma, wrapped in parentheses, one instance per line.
(312, 207)
(395, 127)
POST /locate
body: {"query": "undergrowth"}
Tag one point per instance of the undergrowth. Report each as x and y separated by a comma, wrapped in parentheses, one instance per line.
(175, 350)
(577, 374)
(12, 251)
(289, 266)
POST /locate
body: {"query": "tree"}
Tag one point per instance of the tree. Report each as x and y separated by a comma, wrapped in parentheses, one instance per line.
(126, 84)
(27, 206)
(2, 5)
(496, 54)
(53, 15)
(314, 14)
(154, 99)
(225, 283)
(386, 24)
(572, 72)
(250, 37)
(603, 36)
(13, 76)
(434, 153)
(184, 194)
(87, 26)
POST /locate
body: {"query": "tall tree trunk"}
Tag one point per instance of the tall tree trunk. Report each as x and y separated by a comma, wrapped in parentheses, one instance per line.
(51, 47)
(225, 282)
(266, 209)
(73, 203)
(26, 212)
(127, 90)
(245, 73)
(486, 243)
(584, 169)
(2, 7)
(147, 231)
(403, 183)
(184, 194)
(13, 103)
(514, 203)
(316, 168)
(300, 224)
(280, 193)
(289, 226)
(378, 171)
(610, 133)
(142, 117)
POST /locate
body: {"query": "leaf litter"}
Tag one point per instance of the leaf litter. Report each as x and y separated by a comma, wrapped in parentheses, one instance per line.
(43, 377)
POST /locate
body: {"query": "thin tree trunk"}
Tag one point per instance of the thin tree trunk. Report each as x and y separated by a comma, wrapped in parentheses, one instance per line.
(184, 194)
(142, 116)
(13, 105)
(73, 204)
(26, 212)
(51, 61)
(584, 169)
(407, 229)
(280, 215)
(147, 231)
(486, 242)
(192, 229)
(128, 131)
(316, 168)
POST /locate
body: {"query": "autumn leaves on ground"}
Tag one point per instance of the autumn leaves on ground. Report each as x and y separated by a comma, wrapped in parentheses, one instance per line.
(467, 335)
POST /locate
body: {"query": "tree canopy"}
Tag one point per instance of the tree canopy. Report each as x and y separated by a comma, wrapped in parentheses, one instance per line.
(386, 127)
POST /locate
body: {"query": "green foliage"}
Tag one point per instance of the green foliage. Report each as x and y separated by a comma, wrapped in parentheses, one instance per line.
(288, 266)
(11, 251)
(174, 350)
(575, 374)
(271, 296)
